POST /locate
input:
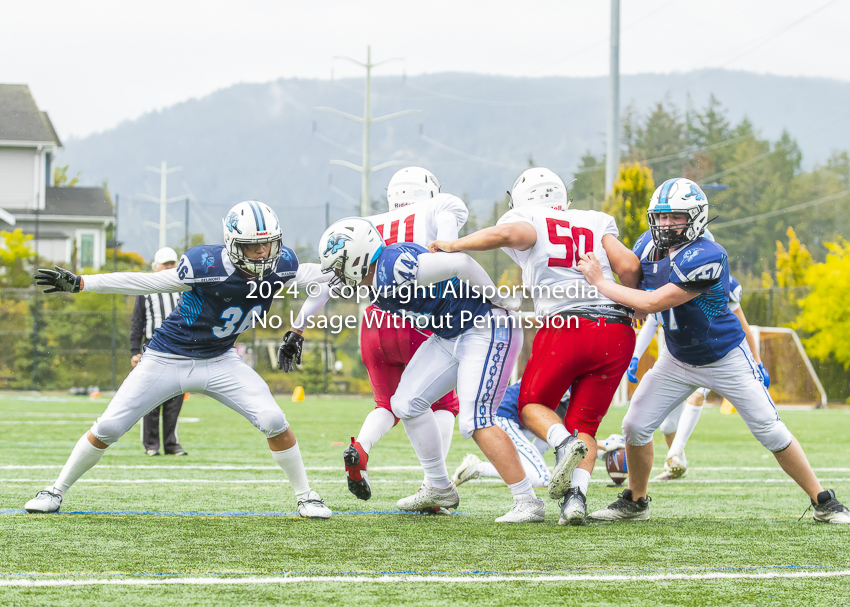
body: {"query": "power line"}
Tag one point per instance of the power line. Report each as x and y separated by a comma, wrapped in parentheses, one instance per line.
(791, 209)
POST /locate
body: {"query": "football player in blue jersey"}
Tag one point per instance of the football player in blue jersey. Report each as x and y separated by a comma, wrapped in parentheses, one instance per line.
(473, 348)
(223, 289)
(686, 278)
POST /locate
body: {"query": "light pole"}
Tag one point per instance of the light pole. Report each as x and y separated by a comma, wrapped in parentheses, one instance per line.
(612, 158)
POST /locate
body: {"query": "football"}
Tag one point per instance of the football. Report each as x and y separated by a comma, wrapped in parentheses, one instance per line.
(615, 463)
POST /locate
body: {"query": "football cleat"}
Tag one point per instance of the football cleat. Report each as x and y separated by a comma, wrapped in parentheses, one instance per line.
(355, 470)
(567, 456)
(45, 501)
(152, 452)
(468, 470)
(526, 509)
(624, 509)
(429, 497)
(313, 506)
(677, 464)
(573, 508)
(828, 509)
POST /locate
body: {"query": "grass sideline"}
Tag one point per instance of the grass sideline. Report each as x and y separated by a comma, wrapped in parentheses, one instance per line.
(734, 514)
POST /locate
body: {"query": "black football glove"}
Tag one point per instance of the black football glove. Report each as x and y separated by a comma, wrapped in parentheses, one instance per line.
(289, 353)
(59, 279)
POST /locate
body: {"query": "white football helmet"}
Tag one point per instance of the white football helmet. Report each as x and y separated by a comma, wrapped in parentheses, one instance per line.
(348, 248)
(252, 222)
(539, 186)
(410, 185)
(678, 195)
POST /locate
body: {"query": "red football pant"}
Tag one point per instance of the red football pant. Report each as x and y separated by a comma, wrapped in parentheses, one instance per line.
(386, 350)
(591, 358)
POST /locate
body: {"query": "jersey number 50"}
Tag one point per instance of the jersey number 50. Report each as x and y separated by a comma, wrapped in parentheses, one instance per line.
(574, 240)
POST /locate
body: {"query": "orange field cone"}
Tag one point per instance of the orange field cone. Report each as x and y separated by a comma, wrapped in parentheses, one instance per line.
(298, 394)
(727, 408)
(185, 397)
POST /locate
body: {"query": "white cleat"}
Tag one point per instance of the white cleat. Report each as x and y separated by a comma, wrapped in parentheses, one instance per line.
(313, 506)
(677, 464)
(468, 470)
(44, 501)
(526, 509)
(574, 508)
(430, 497)
(567, 456)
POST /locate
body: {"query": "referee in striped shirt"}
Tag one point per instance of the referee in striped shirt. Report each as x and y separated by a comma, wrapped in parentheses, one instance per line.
(148, 315)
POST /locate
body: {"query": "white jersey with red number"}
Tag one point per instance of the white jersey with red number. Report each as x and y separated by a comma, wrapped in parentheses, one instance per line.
(440, 218)
(549, 270)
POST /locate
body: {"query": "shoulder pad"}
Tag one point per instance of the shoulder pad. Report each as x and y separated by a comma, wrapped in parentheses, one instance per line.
(699, 261)
(287, 265)
(641, 242)
(203, 263)
(398, 265)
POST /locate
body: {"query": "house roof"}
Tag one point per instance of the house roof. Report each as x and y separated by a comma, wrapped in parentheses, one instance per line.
(80, 202)
(20, 118)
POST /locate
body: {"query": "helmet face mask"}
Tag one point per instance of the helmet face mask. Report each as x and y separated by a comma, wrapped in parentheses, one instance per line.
(252, 223)
(411, 185)
(347, 249)
(678, 196)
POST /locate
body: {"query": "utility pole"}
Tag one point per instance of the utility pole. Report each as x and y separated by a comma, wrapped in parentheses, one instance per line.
(186, 229)
(612, 158)
(366, 169)
(114, 310)
(163, 201)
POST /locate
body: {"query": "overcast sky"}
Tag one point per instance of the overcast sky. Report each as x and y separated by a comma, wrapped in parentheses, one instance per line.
(92, 64)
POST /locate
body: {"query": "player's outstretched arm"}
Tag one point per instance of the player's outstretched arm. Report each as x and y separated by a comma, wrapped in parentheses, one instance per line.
(437, 267)
(519, 235)
(121, 283)
(648, 302)
(624, 262)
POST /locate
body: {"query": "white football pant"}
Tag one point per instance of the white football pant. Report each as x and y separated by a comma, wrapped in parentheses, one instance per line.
(477, 364)
(159, 377)
(530, 449)
(735, 377)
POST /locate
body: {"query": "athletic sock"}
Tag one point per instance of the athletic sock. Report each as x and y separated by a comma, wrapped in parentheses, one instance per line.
(446, 421)
(488, 470)
(375, 426)
(82, 459)
(581, 479)
(556, 435)
(424, 434)
(522, 488)
(687, 423)
(292, 465)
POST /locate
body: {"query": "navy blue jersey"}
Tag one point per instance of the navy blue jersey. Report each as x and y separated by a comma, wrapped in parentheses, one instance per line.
(702, 330)
(210, 316)
(447, 308)
(509, 407)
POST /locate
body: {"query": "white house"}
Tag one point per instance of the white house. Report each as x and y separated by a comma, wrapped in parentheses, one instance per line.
(65, 222)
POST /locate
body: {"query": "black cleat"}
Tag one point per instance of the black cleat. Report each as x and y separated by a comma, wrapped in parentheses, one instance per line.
(829, 510)
(355, 459)
(624, 509)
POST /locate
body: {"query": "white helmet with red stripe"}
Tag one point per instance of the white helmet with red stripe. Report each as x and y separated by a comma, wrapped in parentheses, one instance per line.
(411, 185)
(248, 223)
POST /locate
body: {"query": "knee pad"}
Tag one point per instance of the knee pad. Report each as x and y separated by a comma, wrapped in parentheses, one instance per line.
(404, 407)
(271, 422)
(637, 435)
(108, 430)
(773, 435)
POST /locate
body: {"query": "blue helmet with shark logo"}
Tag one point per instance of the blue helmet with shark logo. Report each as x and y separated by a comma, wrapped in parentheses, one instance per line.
(348, 248)
(678, 196)
(252, 223)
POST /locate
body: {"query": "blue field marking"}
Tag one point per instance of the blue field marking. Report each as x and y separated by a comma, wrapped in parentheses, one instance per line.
(409, 572)
(154, 513)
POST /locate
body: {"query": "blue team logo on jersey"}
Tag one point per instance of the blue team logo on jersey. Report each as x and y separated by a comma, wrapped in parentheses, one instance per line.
(382, 275)
(232, 223)
(695, 191)
(690, 254)
(285, 254)
(208, 261)
(335, 243)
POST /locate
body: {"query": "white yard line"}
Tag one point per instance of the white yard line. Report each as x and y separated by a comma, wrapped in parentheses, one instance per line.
(193, 481)
(430, 579)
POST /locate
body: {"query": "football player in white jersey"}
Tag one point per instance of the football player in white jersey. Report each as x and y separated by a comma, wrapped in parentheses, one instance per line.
(686, 278)
(587, 341)
(222, 288)
(418, 213)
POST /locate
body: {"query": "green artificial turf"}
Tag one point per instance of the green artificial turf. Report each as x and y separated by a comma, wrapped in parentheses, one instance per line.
(733, 514)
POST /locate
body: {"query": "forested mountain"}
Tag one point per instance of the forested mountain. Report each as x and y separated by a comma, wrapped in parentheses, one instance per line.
(771, 139)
